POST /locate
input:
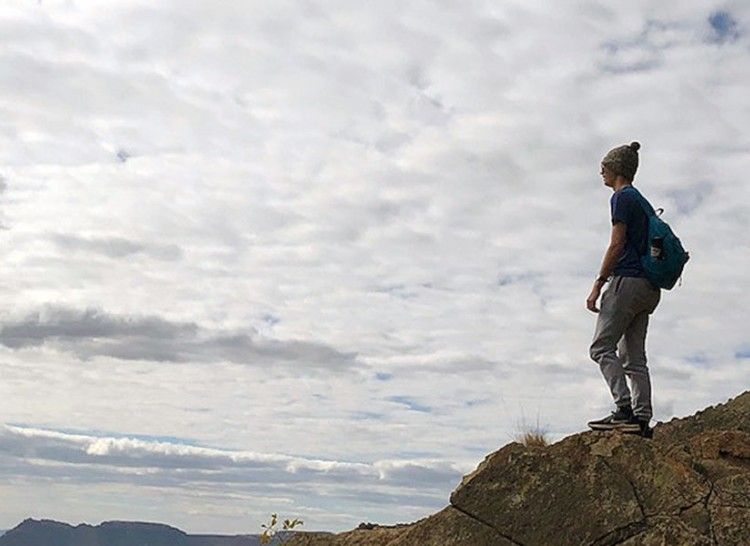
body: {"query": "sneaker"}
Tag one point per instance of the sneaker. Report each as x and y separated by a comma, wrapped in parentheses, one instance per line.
(643, 428)
(622, 419)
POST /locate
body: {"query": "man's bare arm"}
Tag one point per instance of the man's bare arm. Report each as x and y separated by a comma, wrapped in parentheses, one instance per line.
(614, 250)
(613, 253)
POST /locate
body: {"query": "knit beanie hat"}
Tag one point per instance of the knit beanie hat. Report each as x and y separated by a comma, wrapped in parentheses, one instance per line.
(623, 160)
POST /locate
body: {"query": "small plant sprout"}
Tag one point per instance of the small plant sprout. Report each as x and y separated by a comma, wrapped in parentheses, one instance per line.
(270, 530)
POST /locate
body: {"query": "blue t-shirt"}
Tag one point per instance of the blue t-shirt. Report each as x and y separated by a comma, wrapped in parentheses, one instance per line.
(626, 208)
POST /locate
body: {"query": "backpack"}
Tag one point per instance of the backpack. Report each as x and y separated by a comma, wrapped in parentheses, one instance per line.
(665, 257)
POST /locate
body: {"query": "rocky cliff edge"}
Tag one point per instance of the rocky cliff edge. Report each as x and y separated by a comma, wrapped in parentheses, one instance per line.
(689, 486)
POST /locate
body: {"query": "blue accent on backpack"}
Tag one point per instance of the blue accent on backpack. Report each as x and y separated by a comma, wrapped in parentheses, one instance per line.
(663, 268)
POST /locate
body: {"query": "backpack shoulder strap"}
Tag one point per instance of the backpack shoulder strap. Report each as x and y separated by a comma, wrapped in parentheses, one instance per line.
(647, 208)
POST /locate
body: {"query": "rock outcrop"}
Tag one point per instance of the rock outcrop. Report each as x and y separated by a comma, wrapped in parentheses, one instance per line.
(689, 486)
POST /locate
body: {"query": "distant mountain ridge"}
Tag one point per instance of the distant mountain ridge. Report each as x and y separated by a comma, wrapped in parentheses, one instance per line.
(45, 532)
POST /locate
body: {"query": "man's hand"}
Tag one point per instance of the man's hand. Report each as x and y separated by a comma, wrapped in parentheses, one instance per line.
(596, 290)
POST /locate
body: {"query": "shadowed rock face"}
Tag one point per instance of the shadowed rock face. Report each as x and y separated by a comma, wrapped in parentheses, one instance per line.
(689, 486)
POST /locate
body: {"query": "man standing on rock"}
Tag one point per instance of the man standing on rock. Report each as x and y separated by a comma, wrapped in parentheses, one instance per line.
(626, 303)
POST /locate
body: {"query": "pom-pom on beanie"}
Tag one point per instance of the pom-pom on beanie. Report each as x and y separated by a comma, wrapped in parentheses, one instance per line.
(623, 160)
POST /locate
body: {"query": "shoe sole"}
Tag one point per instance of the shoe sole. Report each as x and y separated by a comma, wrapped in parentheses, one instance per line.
(648, 435)
(622, 427)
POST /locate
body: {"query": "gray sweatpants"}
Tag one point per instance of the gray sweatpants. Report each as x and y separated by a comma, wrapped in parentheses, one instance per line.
(621, 327)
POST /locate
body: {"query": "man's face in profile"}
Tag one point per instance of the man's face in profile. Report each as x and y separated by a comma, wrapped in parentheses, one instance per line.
(608, 176)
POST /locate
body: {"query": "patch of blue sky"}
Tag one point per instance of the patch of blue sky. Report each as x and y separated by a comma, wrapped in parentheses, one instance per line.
(515, 278)
(270, 319)
(397, 290)
(409, 454)
(477, 402)
(366, 415)
(478, 449)
(409, 403)
(383, 376)
(643, 51)
(689, 199)
(743, 353)
(698, 359)
(724, 27)
(626, 67)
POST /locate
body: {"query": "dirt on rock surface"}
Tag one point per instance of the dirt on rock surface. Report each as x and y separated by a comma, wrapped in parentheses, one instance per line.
(689, 486)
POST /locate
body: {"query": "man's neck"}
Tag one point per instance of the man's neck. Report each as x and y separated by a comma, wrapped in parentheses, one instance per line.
(620, 183)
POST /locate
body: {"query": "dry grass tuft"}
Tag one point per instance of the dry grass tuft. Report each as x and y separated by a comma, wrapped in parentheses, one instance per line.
(533, 438)
(530, 434)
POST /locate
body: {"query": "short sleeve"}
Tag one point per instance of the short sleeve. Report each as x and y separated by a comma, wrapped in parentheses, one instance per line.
(622, 206)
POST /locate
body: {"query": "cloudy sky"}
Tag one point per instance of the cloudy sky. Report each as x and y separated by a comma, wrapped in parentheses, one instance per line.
(320, 258)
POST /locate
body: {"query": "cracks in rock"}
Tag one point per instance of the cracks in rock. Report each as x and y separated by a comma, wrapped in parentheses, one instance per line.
(737, 506)
(488, 524)
(708, 513)
(644, 522)
(621, 534)
(632, 486)
(703, 500)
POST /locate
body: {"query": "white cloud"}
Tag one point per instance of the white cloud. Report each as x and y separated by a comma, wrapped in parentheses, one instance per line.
(36, 457)
(401, 199)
